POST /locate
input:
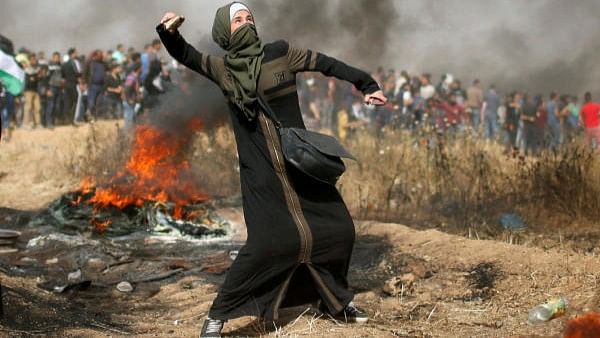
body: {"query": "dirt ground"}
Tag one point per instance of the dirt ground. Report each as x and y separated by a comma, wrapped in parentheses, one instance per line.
(413, 283)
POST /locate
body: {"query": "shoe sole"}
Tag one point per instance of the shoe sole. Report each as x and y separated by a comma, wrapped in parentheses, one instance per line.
(361, 320)
(352, 320)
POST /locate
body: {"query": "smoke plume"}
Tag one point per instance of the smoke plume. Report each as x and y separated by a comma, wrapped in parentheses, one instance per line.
(532, 45)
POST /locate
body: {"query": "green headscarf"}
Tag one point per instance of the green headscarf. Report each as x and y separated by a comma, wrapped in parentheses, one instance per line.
(243, 59)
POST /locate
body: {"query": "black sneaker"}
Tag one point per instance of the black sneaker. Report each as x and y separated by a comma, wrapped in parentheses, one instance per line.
(351, 314)
(212, 328)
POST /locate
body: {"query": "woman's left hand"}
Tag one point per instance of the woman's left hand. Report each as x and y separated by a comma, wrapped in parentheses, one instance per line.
(377, 98)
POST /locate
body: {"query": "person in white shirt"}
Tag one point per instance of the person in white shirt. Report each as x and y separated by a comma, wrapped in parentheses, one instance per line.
(427, 89)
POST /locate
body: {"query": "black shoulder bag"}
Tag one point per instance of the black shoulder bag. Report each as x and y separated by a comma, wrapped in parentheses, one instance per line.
(315, 154)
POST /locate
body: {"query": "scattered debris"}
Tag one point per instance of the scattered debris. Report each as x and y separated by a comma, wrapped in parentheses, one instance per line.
(73, 276)
(125, 287)
(512, 222)
(399, 285)
(4, 250)
(70, 240)
(11, 235)
(72, 214)
(210, 225)
(8, 240)
(96, 264)
(553, 308)
(66, 288)
(156, 277)
(51, 261)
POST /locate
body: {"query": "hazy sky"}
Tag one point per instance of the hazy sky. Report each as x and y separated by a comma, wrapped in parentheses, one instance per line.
(535, 44)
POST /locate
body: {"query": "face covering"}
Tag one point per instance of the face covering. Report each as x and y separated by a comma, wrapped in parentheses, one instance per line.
(243, 59)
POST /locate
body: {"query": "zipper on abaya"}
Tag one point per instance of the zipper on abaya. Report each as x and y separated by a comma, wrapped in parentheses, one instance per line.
(293, 201)
(295, 209)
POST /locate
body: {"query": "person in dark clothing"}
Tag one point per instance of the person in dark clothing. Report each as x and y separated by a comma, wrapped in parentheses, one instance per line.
(552, 124)
(7, 108)
(491, 103)
(134, 62)
(511, 123)
(131, 97)
(541, 122)
(300, 233)
(152, 82)
(94, 77)
(529, 116)
(71, 71)
(32, 117)
(43, 90)
(54, 94)
(4, 122)
(113, 92)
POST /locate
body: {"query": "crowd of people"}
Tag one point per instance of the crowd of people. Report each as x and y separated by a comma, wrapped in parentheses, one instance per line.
(119, 83)
(526, 124)
(75, 89)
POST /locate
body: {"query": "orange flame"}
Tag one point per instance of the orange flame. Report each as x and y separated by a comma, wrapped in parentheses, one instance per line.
(586, 326)
(87, 185)
(101, 226)
(156, 171)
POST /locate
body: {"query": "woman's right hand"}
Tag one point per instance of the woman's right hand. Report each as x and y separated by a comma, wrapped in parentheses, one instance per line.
(172, 21)
(168, 16)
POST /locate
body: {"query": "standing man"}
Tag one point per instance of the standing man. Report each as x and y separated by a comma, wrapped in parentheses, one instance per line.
(94, 77)
(153, 86)
(119, 54)
(529, 116)
(590, 120)
(474, 103)
(491, 103)
(32, 110)
(145, 61)
(54, 95)
(131, 96)
(553, 121)
(4, 123)
(114, 91)
(71, 71)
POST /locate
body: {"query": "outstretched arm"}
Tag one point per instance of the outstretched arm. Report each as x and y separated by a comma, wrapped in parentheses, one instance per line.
(185, 53)
(303, 60)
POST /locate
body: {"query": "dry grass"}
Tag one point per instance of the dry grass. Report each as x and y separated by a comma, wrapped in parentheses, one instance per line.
(466, 182)
(423, 179)
(427, 179)
(36, 166)
(462, 182)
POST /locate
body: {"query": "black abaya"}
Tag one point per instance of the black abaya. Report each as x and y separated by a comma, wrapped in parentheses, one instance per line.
(300, 233)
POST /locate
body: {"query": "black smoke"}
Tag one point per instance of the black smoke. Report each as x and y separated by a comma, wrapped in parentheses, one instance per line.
(533, 45)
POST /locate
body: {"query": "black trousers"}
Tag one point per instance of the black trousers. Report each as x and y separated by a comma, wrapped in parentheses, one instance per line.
(69, 103)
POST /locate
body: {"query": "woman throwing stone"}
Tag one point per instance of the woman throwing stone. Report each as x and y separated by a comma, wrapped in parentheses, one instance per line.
(300, 234)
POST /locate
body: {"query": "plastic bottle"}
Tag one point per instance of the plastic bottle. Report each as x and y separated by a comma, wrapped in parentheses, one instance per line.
(553, 308)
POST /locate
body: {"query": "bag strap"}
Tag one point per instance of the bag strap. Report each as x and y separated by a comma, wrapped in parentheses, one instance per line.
(268, 111)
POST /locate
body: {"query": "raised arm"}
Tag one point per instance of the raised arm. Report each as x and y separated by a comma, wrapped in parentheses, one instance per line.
(306, 60)
(186, 54)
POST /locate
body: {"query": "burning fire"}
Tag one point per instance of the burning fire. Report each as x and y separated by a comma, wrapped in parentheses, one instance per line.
(100, 226)
(586, 326)
(155, 172)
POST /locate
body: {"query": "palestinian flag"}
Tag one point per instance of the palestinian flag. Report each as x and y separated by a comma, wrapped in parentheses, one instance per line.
(11, 74)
